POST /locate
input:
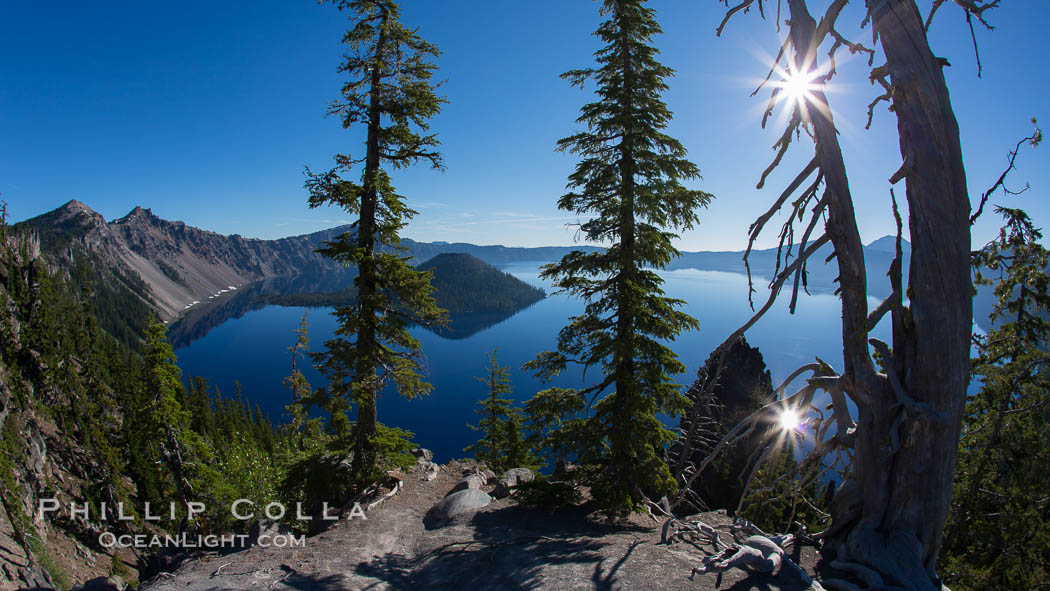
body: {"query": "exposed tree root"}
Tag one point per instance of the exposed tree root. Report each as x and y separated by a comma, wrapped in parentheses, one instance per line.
(758, 553)
(676, 529)
(396, 488)
(372, 496)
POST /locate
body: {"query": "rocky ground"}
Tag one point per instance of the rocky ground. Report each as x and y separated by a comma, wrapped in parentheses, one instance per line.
(499, 546)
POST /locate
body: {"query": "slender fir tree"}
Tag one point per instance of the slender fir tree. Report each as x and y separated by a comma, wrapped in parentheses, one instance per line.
(391, 94)
(629, 179)
(302, 393)
(494, 408)
(502, 444)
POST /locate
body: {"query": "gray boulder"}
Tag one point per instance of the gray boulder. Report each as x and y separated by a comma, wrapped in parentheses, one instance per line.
(516, 476)
(510, 479)
(470, 481)
(423, 454)
(454, 505)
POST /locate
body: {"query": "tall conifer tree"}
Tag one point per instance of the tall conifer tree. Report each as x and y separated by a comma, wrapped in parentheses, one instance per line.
(629, 180)
(168, 458)
(391, 94)
(998, 530)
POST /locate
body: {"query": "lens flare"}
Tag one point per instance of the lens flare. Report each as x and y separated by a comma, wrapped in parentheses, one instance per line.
(788, 420)
(796, 87)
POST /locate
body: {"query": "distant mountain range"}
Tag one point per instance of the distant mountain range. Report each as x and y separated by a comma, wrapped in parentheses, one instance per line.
(169, 267)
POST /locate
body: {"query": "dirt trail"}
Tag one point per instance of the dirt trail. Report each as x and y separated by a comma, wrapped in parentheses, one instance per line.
(501, 546)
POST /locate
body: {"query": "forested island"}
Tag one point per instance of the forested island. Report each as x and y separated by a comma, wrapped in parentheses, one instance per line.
(463, 284)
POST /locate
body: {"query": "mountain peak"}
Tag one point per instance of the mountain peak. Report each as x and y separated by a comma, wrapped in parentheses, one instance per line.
(139, 213)
(74, 210)
(888, 244)
(73, 206)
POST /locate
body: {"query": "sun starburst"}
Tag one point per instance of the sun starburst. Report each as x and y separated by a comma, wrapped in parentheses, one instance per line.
(796, 86)
(788, 420)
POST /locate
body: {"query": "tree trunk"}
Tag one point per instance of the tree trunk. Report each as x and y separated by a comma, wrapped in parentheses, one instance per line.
(932, 349)
(367, 354)
(889, 514)
(626, 388)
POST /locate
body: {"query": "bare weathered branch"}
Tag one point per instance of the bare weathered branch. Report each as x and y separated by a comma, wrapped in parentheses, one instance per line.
(973, 36)
(782, 144)
(933, 11)
(745, 6)
(757, 225)
(769, 75)
(801, 271)
(1034, 139)
(977, 8)
(826, 27)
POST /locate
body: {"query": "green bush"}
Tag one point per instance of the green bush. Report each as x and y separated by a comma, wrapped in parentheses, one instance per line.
(545, 493)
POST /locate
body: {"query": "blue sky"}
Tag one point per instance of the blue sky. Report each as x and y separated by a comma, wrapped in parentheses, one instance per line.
(207, 112)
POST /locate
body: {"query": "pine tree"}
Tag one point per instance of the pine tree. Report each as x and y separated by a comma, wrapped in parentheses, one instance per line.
(200, 407)
(629, 179)
(390, 93)
(167, 456)
(302, 393)
(997, 534)
(502, 444)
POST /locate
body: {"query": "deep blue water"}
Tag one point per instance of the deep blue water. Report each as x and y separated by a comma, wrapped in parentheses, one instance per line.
(253, 349)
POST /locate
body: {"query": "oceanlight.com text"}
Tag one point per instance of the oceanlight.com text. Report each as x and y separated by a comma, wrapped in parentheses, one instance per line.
(142, 541)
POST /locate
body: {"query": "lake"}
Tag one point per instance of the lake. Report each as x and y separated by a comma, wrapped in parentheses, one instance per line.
(251, 347)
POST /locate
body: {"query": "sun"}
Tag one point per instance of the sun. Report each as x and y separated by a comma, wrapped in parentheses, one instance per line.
(788, 419)
(796, 87)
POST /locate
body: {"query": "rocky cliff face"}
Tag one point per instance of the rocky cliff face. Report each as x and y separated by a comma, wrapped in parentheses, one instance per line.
(183, 264)
(41, 454)
(40, 551)
(179, 265)
(741, 388)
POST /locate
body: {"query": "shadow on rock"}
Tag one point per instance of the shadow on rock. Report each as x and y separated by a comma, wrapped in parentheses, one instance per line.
(512, 548)
(308, 583)
(604, 580)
